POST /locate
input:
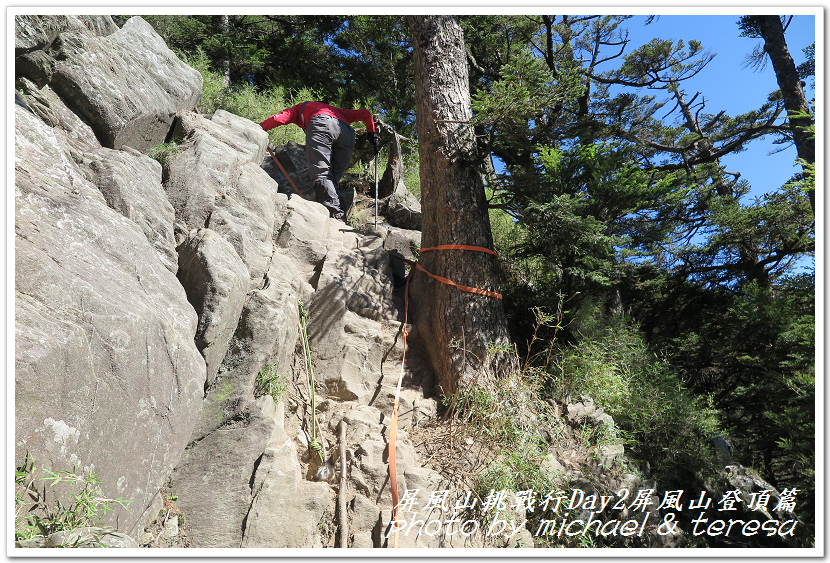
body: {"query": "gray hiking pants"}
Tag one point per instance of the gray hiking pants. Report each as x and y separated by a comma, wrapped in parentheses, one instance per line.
(328, 149)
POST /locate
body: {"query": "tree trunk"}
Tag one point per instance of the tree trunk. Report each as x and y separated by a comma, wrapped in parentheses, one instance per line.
(458, 327)
(393, 173)
(790, 85)
(224, 28)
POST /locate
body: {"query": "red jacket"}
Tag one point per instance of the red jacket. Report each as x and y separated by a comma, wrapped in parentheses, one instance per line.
(294, 115)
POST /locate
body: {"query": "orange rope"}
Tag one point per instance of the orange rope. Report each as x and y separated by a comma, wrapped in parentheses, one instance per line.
(450, 282)
(461, 287)
(393, 426)
(284, 173)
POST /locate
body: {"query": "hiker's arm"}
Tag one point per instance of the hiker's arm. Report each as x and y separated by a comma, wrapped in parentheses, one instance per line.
(368, 120)
(283, 118)
(364, 115)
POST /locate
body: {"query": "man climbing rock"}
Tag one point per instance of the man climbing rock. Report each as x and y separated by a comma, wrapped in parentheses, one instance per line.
(329, 144)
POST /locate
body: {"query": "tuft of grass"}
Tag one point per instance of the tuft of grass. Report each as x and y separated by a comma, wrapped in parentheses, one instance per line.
(163, 152)
(269, 382)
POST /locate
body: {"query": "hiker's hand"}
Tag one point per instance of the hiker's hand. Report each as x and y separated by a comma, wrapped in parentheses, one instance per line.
(375, 140)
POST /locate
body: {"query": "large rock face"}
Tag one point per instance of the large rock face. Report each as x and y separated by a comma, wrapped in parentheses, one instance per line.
(104, 354)
(125, 83)
(149, 301)
(108, 378)
(215, 181)
(131, 184)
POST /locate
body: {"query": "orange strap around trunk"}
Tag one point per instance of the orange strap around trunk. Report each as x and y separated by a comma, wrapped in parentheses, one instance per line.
(461, 287)
(461, 247)
(450, 282)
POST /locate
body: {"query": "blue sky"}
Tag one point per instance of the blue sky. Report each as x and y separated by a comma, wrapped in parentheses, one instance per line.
(729, 85)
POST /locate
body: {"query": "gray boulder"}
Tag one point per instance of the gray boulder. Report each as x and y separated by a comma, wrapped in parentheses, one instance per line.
(365, 515)
(33, 32)
(348, 336)
(214, 180)
(250, 233)
(127, 85)
(286, 510)
(209, 159)
(213, 480)
(216, 282)
(585, 411)
(131, 185)
(269, 329)
(104, 355)
(304, 235)
(403, 242)
(402, 210)
(47, 105)
(99, 24)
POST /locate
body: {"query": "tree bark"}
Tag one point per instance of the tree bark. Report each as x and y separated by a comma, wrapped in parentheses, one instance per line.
(459, 328)
(224, 28)
(789, 83)
(393, 173)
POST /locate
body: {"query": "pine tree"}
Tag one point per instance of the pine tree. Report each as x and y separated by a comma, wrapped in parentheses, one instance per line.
(460, 328)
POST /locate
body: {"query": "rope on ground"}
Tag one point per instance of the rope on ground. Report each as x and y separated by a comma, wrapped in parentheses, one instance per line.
(315, 445)
(344, 517)
(393, 426)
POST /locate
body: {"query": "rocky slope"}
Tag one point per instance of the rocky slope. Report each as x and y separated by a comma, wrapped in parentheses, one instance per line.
(149, 298)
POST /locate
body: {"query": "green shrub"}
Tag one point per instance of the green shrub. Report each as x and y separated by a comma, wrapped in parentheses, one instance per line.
(663, 421)
(268, 382)
(163, 152)
(35, 516)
